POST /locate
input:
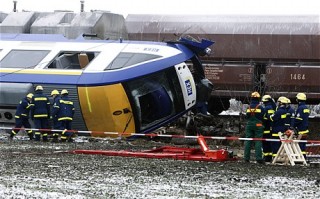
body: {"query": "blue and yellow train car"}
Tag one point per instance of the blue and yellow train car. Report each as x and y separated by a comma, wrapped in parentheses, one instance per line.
(116, 86)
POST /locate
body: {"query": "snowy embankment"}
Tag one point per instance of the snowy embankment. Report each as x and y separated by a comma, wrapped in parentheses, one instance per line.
(45, 170)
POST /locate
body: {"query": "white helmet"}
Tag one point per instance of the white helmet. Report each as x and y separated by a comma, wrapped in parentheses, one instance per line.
(64, 91)
(39, 88)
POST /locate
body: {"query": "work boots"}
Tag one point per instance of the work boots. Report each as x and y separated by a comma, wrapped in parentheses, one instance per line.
(261, 162)
(31, 136)
(10, 138)
(55, 138)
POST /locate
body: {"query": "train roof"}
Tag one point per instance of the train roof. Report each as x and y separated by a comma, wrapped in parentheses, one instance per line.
(244, 38)
(224, 24)
(33, 58)
(32, 37)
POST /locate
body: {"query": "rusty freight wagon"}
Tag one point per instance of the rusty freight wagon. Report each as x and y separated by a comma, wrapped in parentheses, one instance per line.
(276, 55)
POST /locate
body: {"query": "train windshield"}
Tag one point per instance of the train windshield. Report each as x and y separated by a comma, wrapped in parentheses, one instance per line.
(23, 58)
(156, 98)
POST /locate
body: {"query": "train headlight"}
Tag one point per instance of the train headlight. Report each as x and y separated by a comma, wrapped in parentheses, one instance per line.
(207, 51)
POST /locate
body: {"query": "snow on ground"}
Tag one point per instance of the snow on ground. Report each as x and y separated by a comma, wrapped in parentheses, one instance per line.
(45, 170)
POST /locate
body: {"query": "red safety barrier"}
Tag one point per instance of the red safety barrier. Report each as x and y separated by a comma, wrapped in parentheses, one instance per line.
(124, 134)
(204, 154)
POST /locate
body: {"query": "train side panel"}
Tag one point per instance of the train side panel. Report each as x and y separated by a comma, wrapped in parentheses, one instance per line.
(289, 80)
(106, 107)
(227, 78)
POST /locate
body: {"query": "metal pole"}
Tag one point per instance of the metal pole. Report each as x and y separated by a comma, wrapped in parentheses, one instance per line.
(14, 6)
(82, 6)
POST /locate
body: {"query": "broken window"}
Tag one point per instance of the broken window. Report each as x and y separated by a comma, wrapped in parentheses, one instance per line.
(72, 60)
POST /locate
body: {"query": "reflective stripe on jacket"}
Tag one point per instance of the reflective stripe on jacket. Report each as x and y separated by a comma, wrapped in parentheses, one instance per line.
(278, 119)
(255, 110)
(23, 108)
(40, 106)
(66, 110)
(301, 118)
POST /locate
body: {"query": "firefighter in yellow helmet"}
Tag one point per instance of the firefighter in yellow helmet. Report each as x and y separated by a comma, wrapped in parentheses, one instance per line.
(290, 115)
(301, 120)
(270, 107)
(254, 127)
(55, 109)
(65, 116)
(22, 116)
(278, 120)
(40, 113)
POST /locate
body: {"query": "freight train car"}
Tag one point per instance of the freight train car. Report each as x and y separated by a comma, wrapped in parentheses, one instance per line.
(116, 86)
(277, 55)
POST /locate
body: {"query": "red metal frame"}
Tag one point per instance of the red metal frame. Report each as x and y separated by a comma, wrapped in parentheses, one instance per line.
(178, 153)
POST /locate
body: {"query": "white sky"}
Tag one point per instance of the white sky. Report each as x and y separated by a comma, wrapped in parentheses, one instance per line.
(124, 7)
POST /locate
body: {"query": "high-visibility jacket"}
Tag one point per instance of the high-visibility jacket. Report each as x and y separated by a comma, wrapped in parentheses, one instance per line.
(278, 120)
(255, 110)
(301, 118)
(56, 106)
(23, 109)
(290, 117)
(66, 110)
(269, 110)
(40, 105)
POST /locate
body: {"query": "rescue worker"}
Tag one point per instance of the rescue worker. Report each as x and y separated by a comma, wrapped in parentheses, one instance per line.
(290, 115)
(278, 120)
(254, 128)
(40, 113)
(65, 116)
(55, 109)
(301, 120)
(22, 116)
(269, 106)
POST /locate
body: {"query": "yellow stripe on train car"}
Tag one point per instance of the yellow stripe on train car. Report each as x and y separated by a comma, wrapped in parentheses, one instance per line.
(45, 71)
(103, 109)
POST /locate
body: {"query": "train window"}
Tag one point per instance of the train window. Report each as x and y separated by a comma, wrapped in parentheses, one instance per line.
(72, 60)
(23, 58)
(156, 103)
(155, 97)
(129, 59)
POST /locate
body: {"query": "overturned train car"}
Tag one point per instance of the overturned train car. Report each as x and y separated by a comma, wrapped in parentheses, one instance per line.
(276, 55)
(116, 86)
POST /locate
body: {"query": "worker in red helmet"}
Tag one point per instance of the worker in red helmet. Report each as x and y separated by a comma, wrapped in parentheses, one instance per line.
(254, 128)
(22, 116)
(301, 120)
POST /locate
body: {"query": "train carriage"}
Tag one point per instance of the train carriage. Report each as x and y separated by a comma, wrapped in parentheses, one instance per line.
(116, 86)
(276, 55)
